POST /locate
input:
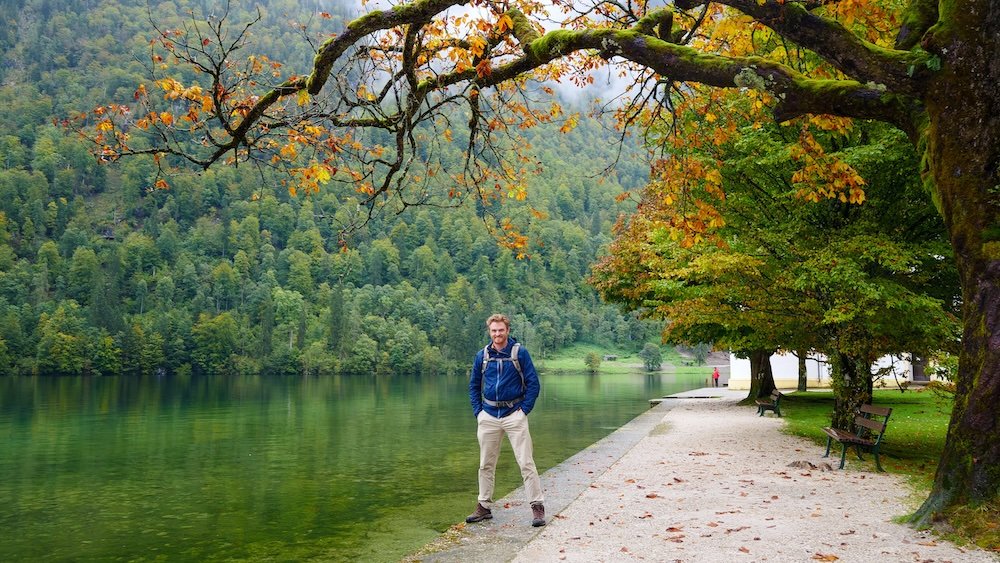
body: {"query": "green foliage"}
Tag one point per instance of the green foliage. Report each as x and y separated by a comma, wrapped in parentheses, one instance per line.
(651, 357)
(225, 272)
(593, 362)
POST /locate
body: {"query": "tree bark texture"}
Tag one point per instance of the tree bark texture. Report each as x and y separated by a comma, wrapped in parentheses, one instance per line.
(962, 158)
(803, 372)
(852, 387)
(761, 376)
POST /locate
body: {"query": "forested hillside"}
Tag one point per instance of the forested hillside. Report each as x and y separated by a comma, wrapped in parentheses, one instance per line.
(225, 271)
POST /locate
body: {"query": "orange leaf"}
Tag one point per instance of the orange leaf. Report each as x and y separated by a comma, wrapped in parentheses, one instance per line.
(483, 69)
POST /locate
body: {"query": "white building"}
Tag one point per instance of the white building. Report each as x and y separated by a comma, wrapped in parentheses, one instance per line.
(785, 367)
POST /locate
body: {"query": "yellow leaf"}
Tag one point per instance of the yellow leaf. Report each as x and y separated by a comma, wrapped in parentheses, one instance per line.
(303, 97)
(477, 45)
(289, 151)
(322, 174)
(505, 23)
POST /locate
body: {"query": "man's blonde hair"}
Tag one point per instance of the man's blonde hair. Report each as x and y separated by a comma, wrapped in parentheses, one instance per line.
(498, 318)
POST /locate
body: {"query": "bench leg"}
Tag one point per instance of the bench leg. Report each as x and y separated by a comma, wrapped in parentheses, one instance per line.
(828, 442)
(843, 456)
(877, 463)
(777, 411)
(760, 410)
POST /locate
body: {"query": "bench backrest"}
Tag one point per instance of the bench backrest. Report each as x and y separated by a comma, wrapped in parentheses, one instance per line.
(867, 426)
(775, 395)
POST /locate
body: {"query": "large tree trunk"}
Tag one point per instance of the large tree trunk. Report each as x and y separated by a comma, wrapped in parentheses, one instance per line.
(803, 372)
(962, 158)
(761, 376)
(852, 387)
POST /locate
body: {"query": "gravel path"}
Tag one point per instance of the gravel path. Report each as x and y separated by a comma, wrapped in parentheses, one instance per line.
(715, 482)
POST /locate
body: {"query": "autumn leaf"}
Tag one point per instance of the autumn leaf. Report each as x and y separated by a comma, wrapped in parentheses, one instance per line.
(825, 557)
(484, 69)
(477, 46)
(505, 24)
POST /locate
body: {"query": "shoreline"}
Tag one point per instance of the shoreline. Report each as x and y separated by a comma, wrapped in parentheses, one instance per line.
(500, 538)
(704, 480)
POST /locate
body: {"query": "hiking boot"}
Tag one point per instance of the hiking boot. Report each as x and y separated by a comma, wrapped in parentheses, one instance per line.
(481, 513)
(537, 515)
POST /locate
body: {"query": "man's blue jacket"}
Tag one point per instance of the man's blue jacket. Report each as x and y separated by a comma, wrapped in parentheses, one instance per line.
(499, 381)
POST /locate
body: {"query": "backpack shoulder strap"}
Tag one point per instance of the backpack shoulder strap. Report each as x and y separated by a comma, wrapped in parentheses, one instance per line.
(517, 364)
(482, 366)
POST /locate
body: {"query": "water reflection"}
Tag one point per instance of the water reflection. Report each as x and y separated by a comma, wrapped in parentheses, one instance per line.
(213, 468)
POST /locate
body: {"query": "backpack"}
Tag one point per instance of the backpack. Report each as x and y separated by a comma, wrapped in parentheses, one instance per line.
(512, 359)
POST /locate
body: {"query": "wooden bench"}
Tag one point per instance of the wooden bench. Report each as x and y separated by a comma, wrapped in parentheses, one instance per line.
(771, 403)
(869, 431)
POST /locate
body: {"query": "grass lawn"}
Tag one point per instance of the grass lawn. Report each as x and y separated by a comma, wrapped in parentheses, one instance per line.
(571, 359)
(911, 446)
(913, 438)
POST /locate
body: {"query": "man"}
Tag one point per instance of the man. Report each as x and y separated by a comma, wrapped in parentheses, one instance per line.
(503, 388)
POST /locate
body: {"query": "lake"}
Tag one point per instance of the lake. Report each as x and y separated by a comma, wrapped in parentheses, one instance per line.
(267, 468)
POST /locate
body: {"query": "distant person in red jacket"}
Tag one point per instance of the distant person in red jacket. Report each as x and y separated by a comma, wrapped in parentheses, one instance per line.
(715, 377)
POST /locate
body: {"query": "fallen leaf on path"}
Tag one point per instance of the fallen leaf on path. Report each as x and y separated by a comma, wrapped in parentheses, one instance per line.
(678, 480)
(646, 515)
(652, 495)
(697, 453)
(674, 529)
(744, 550)
(825, 557)
(927, 543)
(713, 524)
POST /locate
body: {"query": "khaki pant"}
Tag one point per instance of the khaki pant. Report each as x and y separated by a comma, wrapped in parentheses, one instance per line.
(490, 434)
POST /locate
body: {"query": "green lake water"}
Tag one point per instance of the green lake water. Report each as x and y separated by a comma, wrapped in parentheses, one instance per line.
(267, 469)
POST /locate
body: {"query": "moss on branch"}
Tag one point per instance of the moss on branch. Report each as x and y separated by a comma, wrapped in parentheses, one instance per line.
(658, 23)
(523, 31)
